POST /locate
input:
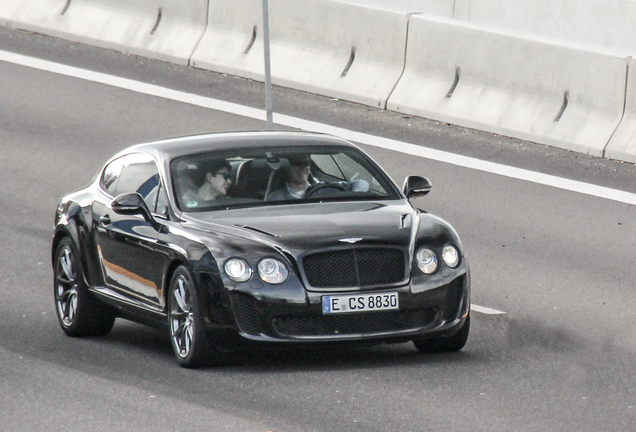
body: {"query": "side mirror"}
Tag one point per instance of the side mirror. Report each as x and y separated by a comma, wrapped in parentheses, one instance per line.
(131, 204)
(416, 186)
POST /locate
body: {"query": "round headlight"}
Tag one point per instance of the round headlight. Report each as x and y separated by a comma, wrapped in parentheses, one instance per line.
(272, 271)
(426, 260)
(238, 269)
(450, 255)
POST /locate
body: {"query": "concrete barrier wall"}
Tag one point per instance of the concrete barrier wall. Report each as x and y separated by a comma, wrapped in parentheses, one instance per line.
(441, 8)
(622, 146)
(504, 82)
(8, 8)
(233, 41)
(558, 95)
(607, 24)
(333, 48)
(163, 29)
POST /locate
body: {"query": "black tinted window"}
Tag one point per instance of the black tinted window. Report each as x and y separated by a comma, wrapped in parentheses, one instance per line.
(111, 175)
(135, 173)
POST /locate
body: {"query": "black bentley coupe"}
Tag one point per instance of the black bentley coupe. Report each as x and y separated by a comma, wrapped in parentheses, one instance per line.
(270, 239)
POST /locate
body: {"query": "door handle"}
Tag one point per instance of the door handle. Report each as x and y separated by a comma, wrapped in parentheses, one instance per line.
(105, 220)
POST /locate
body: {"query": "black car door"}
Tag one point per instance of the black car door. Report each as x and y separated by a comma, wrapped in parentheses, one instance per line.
(131, 258)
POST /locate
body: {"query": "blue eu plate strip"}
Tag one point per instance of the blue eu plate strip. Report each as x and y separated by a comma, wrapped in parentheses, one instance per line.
(326, 304)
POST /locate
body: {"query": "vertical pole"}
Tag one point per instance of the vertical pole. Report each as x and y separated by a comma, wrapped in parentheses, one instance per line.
(268, 71)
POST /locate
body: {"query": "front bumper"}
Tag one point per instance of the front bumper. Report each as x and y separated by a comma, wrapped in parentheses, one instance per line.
(439, 311)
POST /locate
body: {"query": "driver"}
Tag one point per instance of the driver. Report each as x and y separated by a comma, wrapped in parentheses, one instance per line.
(297, 180)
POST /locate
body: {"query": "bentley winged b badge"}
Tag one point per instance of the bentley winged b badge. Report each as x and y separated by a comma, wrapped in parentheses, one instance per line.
(350, 240)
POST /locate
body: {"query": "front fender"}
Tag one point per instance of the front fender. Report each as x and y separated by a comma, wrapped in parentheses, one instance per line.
(74, 222)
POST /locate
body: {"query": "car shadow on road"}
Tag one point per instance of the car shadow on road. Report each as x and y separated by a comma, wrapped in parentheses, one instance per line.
(148, 341)
(499, 340)
(324, 359)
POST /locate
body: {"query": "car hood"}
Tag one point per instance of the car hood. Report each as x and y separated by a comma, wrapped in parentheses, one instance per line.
(299, 228)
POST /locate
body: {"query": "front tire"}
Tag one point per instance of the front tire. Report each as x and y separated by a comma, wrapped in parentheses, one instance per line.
(445, 344)
(187, 328)
(78, 312)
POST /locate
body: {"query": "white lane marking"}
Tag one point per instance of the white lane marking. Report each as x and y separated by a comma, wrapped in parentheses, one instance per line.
(485, 310)
(297, 123)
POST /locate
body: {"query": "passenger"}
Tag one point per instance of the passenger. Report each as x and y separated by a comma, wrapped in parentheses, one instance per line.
(297, 181)
(216, 182)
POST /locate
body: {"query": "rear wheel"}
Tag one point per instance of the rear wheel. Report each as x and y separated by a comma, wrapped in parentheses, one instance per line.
(78, 312)
(187, 328)
(445, 344)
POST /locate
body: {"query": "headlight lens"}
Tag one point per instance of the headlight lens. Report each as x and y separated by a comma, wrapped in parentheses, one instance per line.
(238, 269)
(450, 255)
(272, 271)
(426, 260)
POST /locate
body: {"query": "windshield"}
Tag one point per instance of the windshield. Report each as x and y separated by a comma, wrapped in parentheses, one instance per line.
(259, 177)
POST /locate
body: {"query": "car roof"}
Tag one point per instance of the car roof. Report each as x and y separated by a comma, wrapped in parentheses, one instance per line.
(168, 149)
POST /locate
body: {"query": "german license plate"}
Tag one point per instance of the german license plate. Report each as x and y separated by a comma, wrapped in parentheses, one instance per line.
(359, 303)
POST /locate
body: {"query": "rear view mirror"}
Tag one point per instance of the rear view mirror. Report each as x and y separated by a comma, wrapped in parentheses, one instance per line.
(131, 204)
(416, 186)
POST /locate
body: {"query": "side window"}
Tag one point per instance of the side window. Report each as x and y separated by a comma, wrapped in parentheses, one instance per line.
(136, 173)
(341, 166)
(358, 170)
(352, 169)
(149, 189)
(155, 196)
(111, 175)
(327, 165)
(162, 203)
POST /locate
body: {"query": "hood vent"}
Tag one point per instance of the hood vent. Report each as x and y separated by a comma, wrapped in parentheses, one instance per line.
(405, 221)
(256, 230)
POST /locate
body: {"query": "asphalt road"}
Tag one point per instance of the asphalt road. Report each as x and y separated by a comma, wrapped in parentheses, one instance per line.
(559, 263)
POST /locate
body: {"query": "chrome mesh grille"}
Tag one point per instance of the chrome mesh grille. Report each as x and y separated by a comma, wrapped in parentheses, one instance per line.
(245, 314)
(454, 297)
(361, 267)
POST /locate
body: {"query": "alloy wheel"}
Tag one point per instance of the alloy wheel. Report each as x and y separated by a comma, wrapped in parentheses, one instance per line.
(181, 317)
(66, 295)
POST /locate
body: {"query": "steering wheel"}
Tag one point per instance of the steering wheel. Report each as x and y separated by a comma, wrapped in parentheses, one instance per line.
(323, 186)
